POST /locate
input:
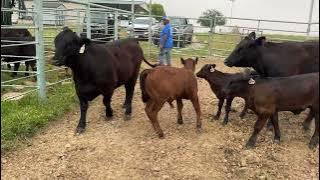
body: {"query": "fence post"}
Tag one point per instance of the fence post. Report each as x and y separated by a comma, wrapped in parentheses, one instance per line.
(78, 23)
(178, 43)
(88, 20)
(41, 79)
(116, 33)
(213, 31)
(150, 28)
(132, 19)
(258, 26)
(310, 19)
(210, 36)
(106, 28)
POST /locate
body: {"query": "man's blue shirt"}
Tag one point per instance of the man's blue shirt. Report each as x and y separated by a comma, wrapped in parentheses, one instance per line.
(167, 30)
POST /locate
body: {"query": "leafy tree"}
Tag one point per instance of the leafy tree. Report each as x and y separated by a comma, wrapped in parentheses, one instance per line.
(212, 14)
(157, 10)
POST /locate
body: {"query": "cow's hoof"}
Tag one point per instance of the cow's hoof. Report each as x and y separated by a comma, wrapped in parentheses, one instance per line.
(270, 127)
(79, 130)
(224, 123)
(250, 144)
(199, 130)
(180, 121)
(276, 141)
(127, 117)
(161, 136)
(314, 143)
(233, 110)
(216, 117)
(306, 127)
(108, 118)
(199, 125)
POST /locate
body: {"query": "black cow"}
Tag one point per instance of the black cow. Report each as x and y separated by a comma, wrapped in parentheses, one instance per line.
(19, 50)
(271, 59)
(15, 33)
(99, 69)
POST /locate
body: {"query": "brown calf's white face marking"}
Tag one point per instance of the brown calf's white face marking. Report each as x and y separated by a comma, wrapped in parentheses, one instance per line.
(252, 81)
(212, 69)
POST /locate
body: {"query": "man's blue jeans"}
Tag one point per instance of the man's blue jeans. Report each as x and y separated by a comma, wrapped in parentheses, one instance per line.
(165, 53)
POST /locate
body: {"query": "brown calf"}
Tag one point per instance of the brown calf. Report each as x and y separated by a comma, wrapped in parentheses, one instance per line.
(268, 96)
(217, 81)
(166, 84)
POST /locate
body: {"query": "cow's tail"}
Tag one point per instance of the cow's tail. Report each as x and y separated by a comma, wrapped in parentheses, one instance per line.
(143, 77)
(144, 59)
(147, 62)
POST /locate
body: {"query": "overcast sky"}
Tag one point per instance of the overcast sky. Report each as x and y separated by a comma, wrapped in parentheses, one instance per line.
(293, 10)
(285, 10)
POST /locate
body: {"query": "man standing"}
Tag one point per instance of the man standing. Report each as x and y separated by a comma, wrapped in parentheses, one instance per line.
(166, 42)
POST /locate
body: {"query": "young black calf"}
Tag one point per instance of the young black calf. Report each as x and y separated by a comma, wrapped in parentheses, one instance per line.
(268, 96)
(217, 81)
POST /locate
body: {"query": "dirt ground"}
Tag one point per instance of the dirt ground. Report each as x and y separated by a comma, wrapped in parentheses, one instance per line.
(121, 149)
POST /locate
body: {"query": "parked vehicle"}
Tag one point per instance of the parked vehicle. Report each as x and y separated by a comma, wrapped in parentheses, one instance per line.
(139, 28)
(100, 22)
(182, 32)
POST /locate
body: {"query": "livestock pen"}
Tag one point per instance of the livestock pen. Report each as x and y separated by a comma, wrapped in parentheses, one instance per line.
(118, 149)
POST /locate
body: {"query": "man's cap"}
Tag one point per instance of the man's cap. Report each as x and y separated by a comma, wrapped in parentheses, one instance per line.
(165, 18)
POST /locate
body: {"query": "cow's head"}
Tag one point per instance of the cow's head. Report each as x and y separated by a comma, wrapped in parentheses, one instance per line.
(206, 71)
(67, 44)
(189, 63)
(245, 53)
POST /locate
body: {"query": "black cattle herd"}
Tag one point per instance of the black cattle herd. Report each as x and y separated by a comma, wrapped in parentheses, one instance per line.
(285, 77)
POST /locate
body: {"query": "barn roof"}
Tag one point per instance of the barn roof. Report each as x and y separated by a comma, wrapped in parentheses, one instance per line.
(52, 4)
(119, 2)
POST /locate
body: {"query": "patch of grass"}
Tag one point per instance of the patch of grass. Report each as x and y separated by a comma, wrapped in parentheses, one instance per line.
(21, 119)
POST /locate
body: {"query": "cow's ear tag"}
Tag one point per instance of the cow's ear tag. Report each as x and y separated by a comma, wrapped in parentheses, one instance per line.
(212, 69)
(252, 82)
(83, 47)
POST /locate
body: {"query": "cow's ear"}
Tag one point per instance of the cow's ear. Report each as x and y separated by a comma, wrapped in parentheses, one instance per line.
(85, 41)
(261, 41)
(182, 60)
(65, 28)
(252, 36)
(197, 58)
(212, 68)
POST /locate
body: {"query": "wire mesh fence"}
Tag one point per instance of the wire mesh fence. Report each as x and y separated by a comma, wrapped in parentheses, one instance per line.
(104, 24)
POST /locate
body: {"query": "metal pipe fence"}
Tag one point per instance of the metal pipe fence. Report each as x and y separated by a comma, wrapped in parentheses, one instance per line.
(105, 24)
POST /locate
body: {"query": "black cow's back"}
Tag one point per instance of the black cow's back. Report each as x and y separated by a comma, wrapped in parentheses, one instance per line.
(15, 33)
(289, 58)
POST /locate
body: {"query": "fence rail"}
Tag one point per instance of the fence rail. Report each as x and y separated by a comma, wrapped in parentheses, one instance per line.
(102, 24)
